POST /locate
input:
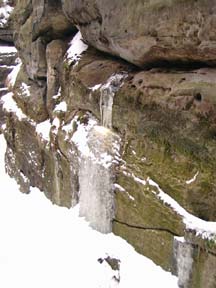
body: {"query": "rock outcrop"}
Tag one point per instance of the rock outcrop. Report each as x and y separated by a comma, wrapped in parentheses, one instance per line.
(135, 147)
(148, 33)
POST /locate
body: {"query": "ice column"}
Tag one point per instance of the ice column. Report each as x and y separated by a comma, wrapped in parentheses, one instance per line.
(96, 178)
(183, 254)
(108, 91)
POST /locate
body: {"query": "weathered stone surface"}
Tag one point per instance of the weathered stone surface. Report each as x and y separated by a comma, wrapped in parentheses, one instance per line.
(173, 113)
(149, 32)
(30, 97)
(25, 165)
(6, 35)
(4, 71)
(36, 24)
(38, 65)
(43, 164)
(166, 120)
(7, 59)
(22, 40)
(50, 21)
(54, 55)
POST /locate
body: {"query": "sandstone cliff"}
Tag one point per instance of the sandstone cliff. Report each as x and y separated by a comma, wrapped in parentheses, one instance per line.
(133, 141)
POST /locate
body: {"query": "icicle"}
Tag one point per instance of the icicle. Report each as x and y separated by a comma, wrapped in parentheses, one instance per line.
(108, 91)
(96, 195)
(184, 261)
(98, 146)
(57, 190)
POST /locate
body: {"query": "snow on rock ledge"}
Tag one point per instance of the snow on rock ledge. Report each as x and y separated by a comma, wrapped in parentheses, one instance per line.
(77, 47)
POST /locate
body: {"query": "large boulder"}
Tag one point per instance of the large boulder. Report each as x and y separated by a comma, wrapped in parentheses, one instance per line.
(149, 32)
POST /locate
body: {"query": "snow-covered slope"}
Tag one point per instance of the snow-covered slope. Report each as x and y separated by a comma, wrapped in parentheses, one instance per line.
(42, 245)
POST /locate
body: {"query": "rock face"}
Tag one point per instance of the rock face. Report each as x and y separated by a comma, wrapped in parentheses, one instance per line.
(36, 24)
(149, 32)
(135, 147)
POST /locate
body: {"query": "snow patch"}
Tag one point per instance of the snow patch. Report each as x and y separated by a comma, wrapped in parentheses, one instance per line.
(138, 180)
(57, 96)
(11, 78)
(43, 130)
(52, 244)
(11, 106)
(204, 229)
(80, 137)
(55, 125)
(96, 87)
(192, 179)
(62, 106)
(119, 187)
(77, 47)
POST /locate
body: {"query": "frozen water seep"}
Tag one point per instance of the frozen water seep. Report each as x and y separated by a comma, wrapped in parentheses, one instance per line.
(96, 195)
(97, 146)
(57, 193)
(108, 91)
(96, 179)
(183, 253)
